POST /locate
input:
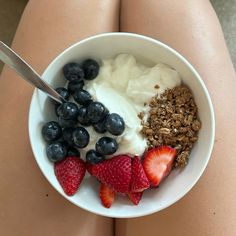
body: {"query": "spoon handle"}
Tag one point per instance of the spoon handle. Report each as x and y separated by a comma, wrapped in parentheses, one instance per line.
(9, 57)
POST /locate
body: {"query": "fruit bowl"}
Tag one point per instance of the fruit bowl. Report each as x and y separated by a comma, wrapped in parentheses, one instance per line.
(147, 51)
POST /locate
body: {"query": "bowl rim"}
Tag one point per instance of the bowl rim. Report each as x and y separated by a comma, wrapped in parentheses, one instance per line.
(192, 69)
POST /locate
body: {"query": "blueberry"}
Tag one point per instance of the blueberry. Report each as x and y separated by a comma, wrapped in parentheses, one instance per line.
(56, 151)
(67, 136)
(115, 124)
(56, 107)
(61, 140)
(73, 71)
(82, 97)
(94, 157)
(80, 137)
(68, 111)
(96, 112)
(75, 85)
(100, 126)
(106, 146)
(63, 92)
(51, 131)
(67, 123)
(83, 117)
(73, 152)
(91, 69)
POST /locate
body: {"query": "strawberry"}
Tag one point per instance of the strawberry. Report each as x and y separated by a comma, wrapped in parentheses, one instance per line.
(107, 196)
(70, 172)
(158, 163)
(115, 173)
(139, 180)
(135, 197)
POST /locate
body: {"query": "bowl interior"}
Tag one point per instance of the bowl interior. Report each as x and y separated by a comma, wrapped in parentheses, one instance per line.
(148, 52)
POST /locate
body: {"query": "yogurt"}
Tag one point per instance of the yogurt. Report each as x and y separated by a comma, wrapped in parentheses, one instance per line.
(123, 86)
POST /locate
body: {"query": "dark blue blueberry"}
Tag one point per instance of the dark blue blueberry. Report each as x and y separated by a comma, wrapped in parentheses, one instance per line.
(67, 123)
(96, 112)
(63, 92)
(73, 152)
(56, 151)
(115, 124)
(67, 136)
(80, 137)
(56, 107)
(94, 157)
(75, 85)
(61, 140)
(82, 117)
(106, 146)
(68, 111)
(82, 97)
(73, 71)
(51, 131)
(100, 126)
(91, 69)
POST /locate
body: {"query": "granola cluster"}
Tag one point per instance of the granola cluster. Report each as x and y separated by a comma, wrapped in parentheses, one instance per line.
(173, 121)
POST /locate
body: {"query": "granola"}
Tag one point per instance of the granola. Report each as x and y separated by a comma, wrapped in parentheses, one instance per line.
(172, 120)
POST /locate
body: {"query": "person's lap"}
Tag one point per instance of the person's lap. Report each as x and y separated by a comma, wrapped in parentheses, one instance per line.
(46, 28)
(28, 204)
(192, 28)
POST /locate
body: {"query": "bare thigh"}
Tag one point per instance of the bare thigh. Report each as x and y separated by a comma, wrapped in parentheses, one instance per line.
(192, 28)
(28, 204)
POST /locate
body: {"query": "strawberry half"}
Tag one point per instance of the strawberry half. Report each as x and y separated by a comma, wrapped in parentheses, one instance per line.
(70, 172)
(139, 181)
(107, 196)
(158, 163)
(115, 173)
(135, 197)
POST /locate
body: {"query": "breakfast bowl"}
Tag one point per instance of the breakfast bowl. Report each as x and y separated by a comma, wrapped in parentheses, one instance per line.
(147, 51)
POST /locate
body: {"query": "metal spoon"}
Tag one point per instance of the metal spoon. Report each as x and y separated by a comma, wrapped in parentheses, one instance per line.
(10, 58)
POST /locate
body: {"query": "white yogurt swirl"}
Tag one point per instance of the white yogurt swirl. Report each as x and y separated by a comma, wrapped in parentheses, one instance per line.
(123, 86)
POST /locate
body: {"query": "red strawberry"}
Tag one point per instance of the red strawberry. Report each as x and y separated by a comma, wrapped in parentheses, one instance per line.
(107, 196)
(135, 197)
(158, 162)
(115, 173)
(69, 173)
(139, 180)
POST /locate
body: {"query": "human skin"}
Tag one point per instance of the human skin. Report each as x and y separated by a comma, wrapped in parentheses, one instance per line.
(29, 205)
(192, 28)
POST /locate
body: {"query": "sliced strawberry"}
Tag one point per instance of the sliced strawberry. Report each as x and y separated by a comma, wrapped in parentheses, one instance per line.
(158, 163)
(107, 196)
(70, 173)
(115, 173)
(135, 197)
(139, 181)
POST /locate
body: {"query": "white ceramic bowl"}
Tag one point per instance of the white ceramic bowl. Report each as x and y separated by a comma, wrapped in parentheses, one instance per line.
(147, 51)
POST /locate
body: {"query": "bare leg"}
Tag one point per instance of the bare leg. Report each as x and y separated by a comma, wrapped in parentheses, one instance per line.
(193, 29)
(28, 204)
